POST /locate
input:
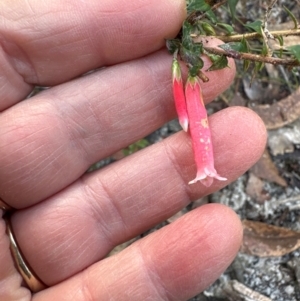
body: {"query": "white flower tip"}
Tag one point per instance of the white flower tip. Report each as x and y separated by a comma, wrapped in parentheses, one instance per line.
(211, 172)
(193, 181)
(184, 124)
(218, 177)
(207, 180)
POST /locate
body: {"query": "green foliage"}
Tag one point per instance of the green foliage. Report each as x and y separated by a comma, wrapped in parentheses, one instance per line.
(296, 51)
(255, 26)
(281, 42)
(208, 29)
(228, 28)
(258, 66)
(188, 50)
(236, 47)
(196, 66)
(246, 65)
(292, 17)
(201, 6)
(232, 6)
(172, 45)
(203, 19)
(219, 62)
(244, 46)
(197, 5)
(187, 31)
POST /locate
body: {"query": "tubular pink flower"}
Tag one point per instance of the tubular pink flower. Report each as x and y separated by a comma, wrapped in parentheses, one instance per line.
(200, 133)
(178, 92)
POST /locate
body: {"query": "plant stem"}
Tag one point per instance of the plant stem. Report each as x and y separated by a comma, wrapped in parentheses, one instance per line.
(252, 57)
(256, 35)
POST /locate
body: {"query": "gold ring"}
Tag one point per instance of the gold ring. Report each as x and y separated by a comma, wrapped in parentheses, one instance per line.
(4, 206)
(33, 282)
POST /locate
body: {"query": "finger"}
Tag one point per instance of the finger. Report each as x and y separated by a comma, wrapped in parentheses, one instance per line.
(49, 42)
(110, 206)
(45, 145)
(10, 279)
(174, 263)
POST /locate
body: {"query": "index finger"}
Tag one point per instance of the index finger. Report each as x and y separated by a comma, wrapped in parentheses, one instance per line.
(50, 42)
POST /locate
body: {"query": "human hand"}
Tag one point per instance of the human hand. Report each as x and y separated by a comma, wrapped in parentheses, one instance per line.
(67, 221)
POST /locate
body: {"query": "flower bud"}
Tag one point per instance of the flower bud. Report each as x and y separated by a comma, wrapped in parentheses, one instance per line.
(179, 98)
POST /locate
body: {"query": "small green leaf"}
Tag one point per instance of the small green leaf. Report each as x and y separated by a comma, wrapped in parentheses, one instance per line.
(295, 51)
(202, 6)
(219, 63)
(232, 49)
(246, 65)
(200, 30)
(211, 16)
(191, 58)
(213, 57)
(230, 46)
(265, 49)
(172, 45)
(187, 30)
(189, 47)
(281, 41)
(208, 29)
(244, 46)
(258, 66)
(236, 47)
(197, 48)
(232, 6)
(254, 26)
(292, 17)
(187, 41)
(193, 71)
(229, 29)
